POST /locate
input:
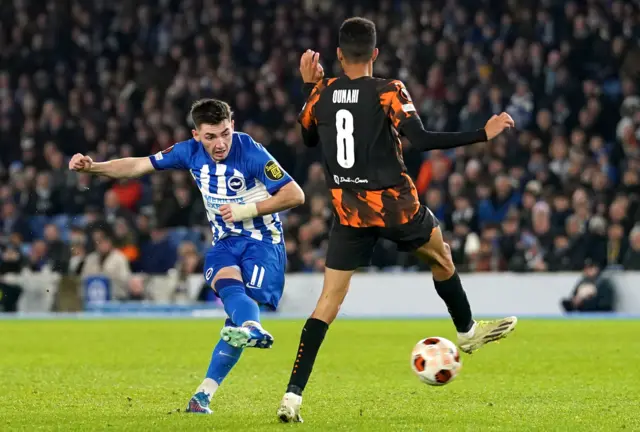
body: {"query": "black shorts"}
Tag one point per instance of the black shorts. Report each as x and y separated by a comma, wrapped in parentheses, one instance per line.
(350, 247)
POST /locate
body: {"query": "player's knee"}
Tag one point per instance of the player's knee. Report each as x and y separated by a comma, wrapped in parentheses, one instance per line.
(444, 267)
(442, 263)
(226, 273)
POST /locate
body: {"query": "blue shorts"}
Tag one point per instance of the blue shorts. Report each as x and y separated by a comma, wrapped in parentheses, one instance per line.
(261, 264)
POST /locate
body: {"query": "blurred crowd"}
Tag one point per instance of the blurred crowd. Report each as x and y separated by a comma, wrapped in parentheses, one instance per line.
(116, 79)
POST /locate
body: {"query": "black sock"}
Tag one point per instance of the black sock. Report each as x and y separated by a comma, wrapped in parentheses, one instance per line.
(312, 336)
(455, 298)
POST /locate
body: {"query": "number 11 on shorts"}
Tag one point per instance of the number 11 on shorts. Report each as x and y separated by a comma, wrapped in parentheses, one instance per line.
(256, 277)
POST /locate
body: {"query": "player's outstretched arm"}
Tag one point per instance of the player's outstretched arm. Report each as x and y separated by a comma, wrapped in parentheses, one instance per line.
(427, 140)
(397, 102)
(287, 197)
(117, 168)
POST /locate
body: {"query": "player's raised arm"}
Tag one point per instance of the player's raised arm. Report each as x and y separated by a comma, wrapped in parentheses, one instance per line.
(400, 109)
(312, 76)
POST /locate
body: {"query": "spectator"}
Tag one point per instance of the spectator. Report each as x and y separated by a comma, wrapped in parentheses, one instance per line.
(43, 198)
(11, 260)
(78, 248)
(158, 255)
(632, 257)
(112, 208)
(125, 240)
(85, 193)
(494, 208)
(57, 250)
(136, 289)
(12, 222)
(128, 193)
(37, 260)
(108, 261)
(593, 293)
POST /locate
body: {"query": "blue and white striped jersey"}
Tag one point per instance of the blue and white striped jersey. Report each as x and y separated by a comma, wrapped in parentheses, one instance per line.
(248, 175)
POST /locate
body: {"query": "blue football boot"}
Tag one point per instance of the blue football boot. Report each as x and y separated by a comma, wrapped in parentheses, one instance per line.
(199, 404)
(251, 334)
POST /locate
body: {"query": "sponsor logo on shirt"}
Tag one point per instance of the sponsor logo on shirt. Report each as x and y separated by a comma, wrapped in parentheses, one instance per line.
(215, 203)
(357, 180)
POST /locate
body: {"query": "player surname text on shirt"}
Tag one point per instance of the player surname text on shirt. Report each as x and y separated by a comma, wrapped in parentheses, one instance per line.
(345, 96)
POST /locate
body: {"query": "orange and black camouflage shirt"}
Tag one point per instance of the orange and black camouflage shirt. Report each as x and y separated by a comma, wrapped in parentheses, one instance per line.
(357, 124)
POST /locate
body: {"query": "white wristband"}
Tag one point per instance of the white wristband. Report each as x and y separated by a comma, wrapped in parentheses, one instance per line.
(243, 211)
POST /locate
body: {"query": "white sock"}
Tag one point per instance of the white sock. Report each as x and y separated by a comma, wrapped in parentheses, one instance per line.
(471, 332)
(251, 323)
(208, 386)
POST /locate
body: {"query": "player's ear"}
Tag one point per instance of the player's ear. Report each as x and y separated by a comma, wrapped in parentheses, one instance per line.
(195, 134)
(375, 54)
(339, 54)
(233, 125)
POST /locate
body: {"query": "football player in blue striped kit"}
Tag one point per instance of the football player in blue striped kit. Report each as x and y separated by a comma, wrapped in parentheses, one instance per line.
(243, 189)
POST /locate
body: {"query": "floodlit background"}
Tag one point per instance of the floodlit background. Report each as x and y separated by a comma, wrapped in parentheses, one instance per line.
(532, 218)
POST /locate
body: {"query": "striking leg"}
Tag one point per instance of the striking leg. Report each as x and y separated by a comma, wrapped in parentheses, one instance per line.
(242, 310)
(471, 334)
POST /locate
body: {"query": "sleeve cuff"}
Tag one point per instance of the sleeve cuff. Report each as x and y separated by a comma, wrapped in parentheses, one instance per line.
(154, 163)
(482, 135)
(307, 88)
(276, 187)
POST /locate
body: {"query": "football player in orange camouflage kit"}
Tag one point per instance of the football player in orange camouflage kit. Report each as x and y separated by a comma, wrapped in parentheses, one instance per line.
(357, 120)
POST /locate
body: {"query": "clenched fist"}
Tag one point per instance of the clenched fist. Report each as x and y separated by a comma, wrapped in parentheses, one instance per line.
(497, 124)
(80, 163)
(310, 67)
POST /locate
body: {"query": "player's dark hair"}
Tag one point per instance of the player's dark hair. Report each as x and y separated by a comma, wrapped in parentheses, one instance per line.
(357, 39)
(209, 111)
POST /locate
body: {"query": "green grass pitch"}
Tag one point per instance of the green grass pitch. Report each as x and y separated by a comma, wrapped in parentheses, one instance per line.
(135, 375)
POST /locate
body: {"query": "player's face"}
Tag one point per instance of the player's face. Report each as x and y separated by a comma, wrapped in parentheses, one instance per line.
(216, 138)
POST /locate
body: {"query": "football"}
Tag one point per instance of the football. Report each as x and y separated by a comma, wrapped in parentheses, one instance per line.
(436, 361)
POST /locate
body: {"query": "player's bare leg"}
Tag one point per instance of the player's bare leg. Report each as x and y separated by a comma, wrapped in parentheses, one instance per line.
(471, 334)
(336, 285)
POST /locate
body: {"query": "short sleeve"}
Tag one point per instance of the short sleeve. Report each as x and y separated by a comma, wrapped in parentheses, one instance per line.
(307, 117)
(174, 157)
(397, 103)
(265, 168)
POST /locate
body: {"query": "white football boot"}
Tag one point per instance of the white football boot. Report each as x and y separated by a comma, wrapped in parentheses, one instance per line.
(289, 411)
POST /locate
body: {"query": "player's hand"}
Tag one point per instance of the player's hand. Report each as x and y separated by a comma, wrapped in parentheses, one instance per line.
(497, 124)
(238, 212)
(310, 67)
(80, 163)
